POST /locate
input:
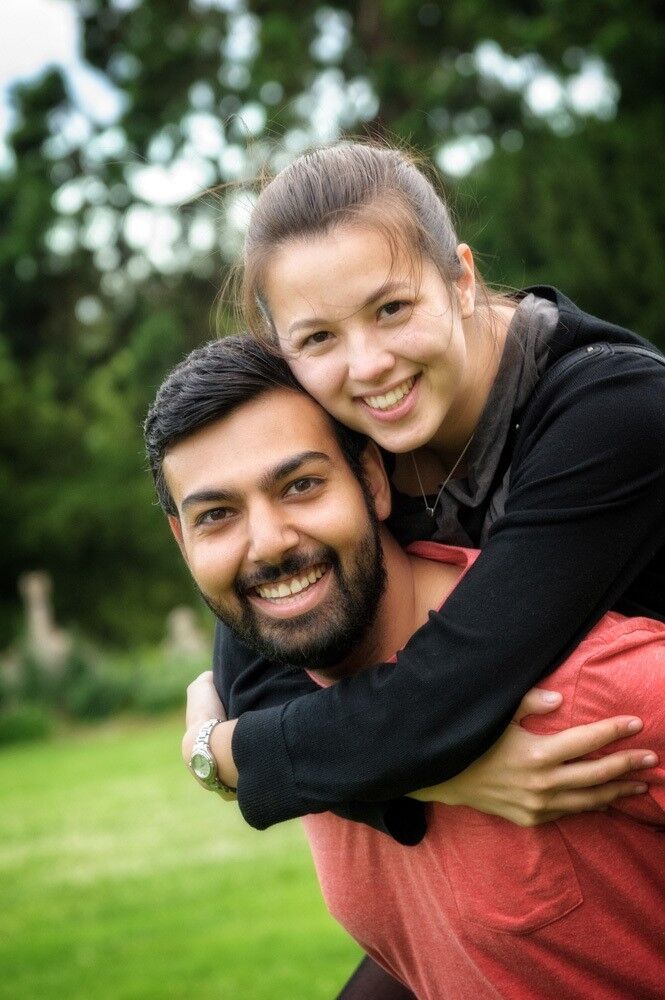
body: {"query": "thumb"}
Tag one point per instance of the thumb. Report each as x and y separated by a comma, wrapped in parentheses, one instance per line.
(537, 701)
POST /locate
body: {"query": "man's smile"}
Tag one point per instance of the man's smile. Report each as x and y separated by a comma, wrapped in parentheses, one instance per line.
(291, 596)
(286, 586)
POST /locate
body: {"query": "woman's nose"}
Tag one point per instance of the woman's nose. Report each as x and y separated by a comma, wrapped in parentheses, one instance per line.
(368, 361)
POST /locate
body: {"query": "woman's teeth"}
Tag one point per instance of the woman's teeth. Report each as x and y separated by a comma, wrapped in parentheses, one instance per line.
(294, 585)
(390, 398)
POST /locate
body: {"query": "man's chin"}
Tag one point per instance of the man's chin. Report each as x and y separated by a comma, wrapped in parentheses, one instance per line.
(302, 641)
(284, 639)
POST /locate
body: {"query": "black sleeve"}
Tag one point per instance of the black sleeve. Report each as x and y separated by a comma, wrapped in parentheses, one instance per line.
(247, 682)
(371, 982)
(584, 515)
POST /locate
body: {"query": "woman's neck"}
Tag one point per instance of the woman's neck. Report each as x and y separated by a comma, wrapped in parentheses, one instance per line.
(485, 334)
(434, 461)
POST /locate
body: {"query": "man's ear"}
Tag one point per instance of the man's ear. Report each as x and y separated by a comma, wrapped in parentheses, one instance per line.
(176, 531)
(466, 282)
(377, 480)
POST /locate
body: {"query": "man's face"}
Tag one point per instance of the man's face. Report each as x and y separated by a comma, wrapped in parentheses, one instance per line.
(277, 531)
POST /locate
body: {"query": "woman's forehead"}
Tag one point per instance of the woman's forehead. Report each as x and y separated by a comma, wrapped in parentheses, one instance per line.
(342, 268)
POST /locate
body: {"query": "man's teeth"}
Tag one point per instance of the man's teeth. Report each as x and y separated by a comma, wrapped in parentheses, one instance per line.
(390, 398)
(286, 588)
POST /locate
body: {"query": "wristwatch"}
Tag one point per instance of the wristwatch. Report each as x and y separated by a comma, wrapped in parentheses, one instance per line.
(203, 765)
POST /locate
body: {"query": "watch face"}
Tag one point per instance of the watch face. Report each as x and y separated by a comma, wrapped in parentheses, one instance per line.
(201, 765)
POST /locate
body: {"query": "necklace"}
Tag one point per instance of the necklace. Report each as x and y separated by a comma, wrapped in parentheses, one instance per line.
(432, 510)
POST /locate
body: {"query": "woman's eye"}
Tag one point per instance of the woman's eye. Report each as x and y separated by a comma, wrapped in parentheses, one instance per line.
(315, 339)
(392, 308)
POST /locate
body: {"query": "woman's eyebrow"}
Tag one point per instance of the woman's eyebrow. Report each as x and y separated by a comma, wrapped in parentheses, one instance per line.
(387, 288)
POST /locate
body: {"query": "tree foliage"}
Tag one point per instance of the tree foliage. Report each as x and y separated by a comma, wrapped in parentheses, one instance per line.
(106, 279)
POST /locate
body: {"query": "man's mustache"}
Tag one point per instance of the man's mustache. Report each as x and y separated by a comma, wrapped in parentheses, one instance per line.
(291, 566)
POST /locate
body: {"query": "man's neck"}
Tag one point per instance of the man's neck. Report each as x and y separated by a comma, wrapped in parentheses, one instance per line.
(414, 587)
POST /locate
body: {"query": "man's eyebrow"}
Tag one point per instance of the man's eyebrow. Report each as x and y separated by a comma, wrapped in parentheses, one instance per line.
(387, 288)
(289, 466)
(267, 480)
(208, 496)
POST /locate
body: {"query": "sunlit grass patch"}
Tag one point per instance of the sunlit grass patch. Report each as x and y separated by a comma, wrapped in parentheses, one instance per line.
(120, 878)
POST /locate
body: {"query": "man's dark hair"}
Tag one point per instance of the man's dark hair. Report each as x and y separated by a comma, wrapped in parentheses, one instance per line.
(211, 383)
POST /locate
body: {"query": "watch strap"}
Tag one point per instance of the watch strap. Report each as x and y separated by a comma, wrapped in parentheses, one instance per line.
(202, 746)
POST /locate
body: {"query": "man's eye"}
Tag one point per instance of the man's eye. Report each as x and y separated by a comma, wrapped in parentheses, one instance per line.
(303, 485)
(214, 516)
(392, 308)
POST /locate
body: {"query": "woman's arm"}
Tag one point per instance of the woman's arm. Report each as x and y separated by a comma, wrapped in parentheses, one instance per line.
(583, 517)
(246, 681)
(526, 778)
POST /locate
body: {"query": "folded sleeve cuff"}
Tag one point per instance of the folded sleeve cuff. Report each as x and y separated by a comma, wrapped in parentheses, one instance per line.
(266, 785)
(267, 789)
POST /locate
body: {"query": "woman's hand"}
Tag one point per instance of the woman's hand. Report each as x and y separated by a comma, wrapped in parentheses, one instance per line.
(202, 704)
(531, 779)
(203, 701)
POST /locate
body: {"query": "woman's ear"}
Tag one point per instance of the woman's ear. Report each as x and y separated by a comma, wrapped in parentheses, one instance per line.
(377, 480)
(466, 282)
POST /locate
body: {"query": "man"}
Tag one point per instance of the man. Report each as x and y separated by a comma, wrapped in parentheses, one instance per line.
(278, 512)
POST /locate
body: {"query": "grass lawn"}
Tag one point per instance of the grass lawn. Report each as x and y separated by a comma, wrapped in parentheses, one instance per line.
(121, 880)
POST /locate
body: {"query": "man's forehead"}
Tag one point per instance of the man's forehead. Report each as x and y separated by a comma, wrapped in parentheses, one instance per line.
(251, 441)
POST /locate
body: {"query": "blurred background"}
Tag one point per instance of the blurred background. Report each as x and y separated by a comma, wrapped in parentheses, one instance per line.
(130, 134)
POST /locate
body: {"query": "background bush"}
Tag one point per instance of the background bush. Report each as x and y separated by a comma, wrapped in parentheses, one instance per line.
(91, 685)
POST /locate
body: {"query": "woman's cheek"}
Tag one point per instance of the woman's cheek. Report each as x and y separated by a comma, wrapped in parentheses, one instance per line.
(322, 380)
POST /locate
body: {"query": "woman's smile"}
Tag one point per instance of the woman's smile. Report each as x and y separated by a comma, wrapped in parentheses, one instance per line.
(392, 403)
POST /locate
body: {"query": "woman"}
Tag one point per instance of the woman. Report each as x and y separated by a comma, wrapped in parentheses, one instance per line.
(518, 424)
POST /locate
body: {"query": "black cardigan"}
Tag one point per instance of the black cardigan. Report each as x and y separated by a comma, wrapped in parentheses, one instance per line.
(583, 532)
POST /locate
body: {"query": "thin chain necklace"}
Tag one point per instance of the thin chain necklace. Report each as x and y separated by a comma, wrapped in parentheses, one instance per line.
(432, 510)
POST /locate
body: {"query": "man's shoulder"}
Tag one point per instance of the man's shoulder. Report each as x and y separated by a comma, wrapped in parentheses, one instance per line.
(618, 668)
(618, 642)
(456, 555)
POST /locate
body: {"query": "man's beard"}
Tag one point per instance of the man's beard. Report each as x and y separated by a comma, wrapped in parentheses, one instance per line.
(324, 636)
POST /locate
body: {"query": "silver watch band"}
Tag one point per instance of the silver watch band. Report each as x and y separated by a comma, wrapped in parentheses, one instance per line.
(202, 755)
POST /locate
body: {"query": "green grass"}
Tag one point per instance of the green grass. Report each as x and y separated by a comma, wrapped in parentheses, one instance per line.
(120, 879)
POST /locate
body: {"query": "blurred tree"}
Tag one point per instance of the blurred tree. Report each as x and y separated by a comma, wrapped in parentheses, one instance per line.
(545, 117)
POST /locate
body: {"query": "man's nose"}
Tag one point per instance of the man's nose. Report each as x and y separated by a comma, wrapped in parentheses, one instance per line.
(271, 535)
(368, 360)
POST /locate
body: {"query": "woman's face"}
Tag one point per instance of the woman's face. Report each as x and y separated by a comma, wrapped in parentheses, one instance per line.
(376, 340)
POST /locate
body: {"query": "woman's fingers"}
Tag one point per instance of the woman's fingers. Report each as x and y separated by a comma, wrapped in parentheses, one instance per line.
(540, 808)
(582, 740)
(583, 774)
(589, 800)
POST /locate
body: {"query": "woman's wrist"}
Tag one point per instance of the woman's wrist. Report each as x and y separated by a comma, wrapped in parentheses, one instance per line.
(220, 747)
(447, 793)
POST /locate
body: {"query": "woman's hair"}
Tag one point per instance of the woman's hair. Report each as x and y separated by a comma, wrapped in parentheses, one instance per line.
(340, 184)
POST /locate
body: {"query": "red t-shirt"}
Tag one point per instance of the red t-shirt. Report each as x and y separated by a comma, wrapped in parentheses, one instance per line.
(482, 908)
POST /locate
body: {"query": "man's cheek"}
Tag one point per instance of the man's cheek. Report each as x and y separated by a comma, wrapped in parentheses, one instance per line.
(212, 573)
